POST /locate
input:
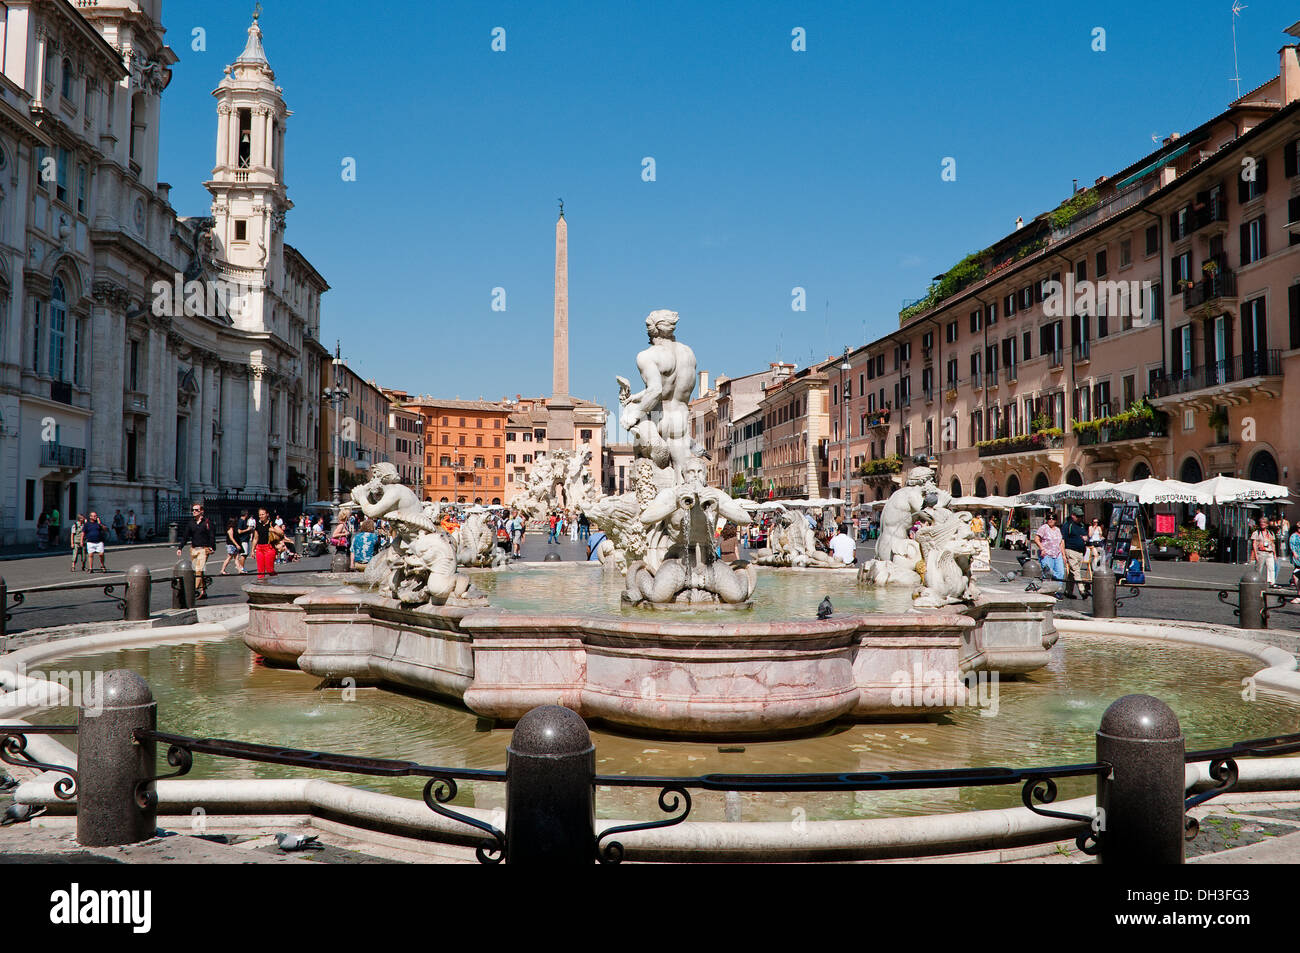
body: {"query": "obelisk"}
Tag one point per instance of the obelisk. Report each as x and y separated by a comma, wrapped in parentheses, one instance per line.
(559, 430)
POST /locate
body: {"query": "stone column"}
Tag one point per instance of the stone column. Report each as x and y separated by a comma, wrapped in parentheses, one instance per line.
(231, 476)
(223, 134)
(107, 382)
(258, 429)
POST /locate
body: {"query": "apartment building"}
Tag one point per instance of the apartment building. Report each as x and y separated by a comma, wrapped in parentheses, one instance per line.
(737, 398)
(532, 431)
(795, 436)
(405, 438)
(464, 449)
(1150, 325)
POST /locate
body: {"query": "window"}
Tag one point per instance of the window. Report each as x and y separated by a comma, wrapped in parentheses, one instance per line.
(1027, 346)
(1081, 270)
(952, 333)
(36, 337)
(976, 321)
(245, 151)
(585, 435)
(1126, 253)
(58, 329)
(1009, 304)
(65, 87)
(241, 230)
(1153, 240)
(61, 176)
(42, 169)
(1101, 263)
(1253, 245)
(1248, 189)
(81, 189)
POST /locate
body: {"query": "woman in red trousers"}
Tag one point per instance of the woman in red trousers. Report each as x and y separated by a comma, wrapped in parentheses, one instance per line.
(263, 546)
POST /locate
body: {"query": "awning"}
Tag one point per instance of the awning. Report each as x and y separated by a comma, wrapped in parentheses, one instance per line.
(1162, 161)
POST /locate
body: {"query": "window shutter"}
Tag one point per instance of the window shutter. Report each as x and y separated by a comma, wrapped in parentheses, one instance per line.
(1263, 236)
(1245, 244)
(1247, 335)
(1261, 177)
(1288, 155)
(1173, 226)
(1176, 352)
(1102, 326)
(1243, 189)
(1293, 298)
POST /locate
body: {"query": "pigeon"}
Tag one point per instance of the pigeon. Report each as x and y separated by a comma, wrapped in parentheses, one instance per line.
(1009, 577)
(17, 813)
(824, 610)
(8, 782)
(293, 842)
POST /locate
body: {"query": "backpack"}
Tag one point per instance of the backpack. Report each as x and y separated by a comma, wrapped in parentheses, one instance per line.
(1134, 576)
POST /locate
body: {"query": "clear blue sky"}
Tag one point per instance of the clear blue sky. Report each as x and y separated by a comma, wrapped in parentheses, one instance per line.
(775, 168)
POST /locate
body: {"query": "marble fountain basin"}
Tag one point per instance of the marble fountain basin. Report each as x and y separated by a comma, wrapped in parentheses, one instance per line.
(555, 635)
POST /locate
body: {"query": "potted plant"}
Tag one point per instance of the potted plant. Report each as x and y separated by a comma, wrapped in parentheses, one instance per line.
(1210, 268)
(1185, 283)
(1219, 417)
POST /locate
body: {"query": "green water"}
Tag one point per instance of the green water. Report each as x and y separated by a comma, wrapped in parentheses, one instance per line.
(782, 594)
(214, 689)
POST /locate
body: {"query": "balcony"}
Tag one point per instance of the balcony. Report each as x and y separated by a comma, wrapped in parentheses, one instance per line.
(878, 419)
(1216, 210)
(1040, 442)
(1082, 351)
(1108, 430)
(1210, 290)
(1235, 381)
(57, 456)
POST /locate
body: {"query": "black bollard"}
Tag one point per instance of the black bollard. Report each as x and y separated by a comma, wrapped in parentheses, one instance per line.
(4, 616)
(1250, 599)
(550, 789)
(1103, 591)
(138, 591)
(171, 534)
(111, 763)
(183, 596)
(551, 558)
(1142, 816)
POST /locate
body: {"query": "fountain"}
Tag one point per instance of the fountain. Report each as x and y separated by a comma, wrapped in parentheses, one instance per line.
(427, 615)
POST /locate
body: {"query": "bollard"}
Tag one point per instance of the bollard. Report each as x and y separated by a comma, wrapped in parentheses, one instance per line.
(550, 789)
(551, 558)
(183, 584)
(138, 591)
(171, 534)
(340, 562)
(4, 616)
(1142, 819)
(111, 763)
(1250, 599)
(1103, 591)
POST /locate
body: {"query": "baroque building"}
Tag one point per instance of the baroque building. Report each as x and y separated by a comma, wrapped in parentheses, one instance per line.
(193, 341)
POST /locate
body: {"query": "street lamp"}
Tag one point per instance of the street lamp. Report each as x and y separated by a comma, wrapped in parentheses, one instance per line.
(844, 401)
(337, 396)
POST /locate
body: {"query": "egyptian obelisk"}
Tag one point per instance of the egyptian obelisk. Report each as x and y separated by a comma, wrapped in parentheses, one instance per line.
(559, 431)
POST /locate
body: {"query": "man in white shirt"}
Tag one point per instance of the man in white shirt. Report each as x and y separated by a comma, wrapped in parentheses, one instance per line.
(843, 547)
(1199, 518)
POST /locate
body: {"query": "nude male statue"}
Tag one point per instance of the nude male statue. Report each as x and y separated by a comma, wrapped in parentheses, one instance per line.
(668, 369)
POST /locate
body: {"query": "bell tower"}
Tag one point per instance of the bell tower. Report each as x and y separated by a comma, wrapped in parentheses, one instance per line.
(248, 194)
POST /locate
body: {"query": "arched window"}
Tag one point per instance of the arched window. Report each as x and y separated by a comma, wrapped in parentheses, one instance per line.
(1191, 471)
(1013, 485)
(1263, 467)
(1074, 478)
(981, 488)
(1141, 471)
(956, 487)
(1040, 481)
(58, 329)
(66, 86)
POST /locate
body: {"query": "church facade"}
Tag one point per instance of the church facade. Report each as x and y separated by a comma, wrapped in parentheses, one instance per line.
(146, 359)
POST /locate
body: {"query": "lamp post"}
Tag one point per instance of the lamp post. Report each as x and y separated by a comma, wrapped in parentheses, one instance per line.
(337, 396)
(844, 432)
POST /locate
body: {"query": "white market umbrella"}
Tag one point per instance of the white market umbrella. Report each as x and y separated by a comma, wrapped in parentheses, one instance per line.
(1102, 490)
(983, 502)
(1225, 489)
(1152, 490)
(1048, 494)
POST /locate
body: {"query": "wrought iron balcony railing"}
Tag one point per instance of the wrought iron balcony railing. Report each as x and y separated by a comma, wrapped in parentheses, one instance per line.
(57, 455)
(1211, 287)
(1240, 368)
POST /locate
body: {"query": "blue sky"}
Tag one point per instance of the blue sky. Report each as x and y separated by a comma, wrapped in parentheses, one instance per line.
(774, 168)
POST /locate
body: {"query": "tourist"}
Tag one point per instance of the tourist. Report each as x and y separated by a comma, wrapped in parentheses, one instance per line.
(234, 549)
(977, 525)
(1199, 519)
(1079, 568)
(119, 526)
(78, 538)
(202, 541)
(1263, 551)
(584, 526)
(43, 530)
(95, 533)
(1293, 547)
(52, 527)
(264, 544)
(363, 545)
(132, 527)
(728, 542)
(1050, 545)
(593, 546)
(553, 536)
(515, 527)
(842, 546)
(245, 532)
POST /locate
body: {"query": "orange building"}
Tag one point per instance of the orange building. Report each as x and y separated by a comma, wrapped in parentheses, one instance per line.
(464, 450)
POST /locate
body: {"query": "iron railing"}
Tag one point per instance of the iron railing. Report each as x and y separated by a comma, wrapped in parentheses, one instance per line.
(1211, 287)
(1038, 785)
(57, 455)
(1242, 367)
